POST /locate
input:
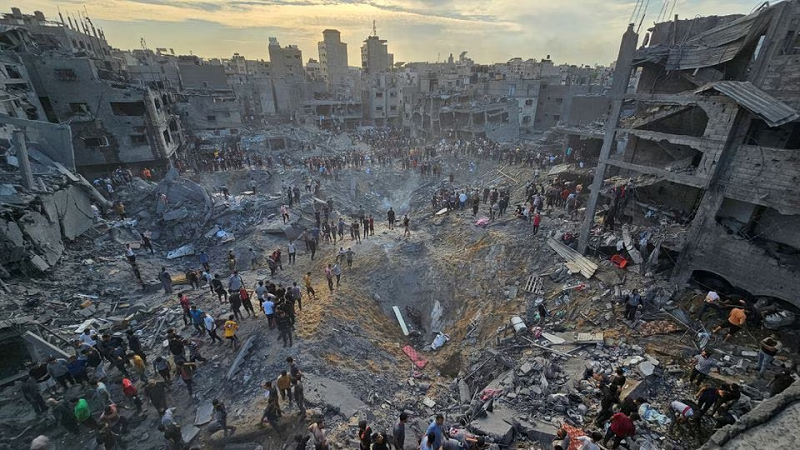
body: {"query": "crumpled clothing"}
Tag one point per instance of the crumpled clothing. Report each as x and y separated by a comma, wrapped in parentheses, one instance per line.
(648, 413)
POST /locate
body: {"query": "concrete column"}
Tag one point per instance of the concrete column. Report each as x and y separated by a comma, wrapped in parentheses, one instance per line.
(22, 158)
(622, 75)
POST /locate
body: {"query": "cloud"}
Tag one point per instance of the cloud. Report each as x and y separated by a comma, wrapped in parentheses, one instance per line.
(574, 31)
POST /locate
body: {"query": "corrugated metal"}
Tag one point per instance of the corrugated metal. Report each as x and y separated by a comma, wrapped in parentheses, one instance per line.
(715, 46)
(758, 102)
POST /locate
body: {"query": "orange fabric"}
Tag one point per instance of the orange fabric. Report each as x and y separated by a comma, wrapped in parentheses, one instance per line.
(737, 317)
(573, 434)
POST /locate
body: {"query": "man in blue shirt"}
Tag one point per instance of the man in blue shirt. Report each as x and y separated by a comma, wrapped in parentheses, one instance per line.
(436, 428)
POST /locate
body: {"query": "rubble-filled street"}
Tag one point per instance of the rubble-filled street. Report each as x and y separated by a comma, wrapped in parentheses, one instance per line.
(233, 253)
(473, 287)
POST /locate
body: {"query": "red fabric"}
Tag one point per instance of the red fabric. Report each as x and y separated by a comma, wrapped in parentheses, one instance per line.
(414, 357)
(128, 388)
(622, 425)
(243, 293)
(537, 219)
(573, 434)
(185, 302)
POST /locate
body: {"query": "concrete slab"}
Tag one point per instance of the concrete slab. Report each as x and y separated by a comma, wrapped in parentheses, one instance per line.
(204, 414)
(189, 432)
(326, 392)
(497, 424)
(41, 349)
(243, 351)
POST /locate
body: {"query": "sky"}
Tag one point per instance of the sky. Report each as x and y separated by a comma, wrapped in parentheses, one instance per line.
(570, 31)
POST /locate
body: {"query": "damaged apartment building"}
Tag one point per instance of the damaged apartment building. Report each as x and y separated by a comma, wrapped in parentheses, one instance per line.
(77, 81)
(709, 141)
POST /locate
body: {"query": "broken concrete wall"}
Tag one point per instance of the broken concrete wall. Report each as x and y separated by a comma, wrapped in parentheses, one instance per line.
(744, 265)
(753, 166)
(34, 239)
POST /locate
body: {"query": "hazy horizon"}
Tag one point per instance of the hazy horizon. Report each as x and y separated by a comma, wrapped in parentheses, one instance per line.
(570, 31)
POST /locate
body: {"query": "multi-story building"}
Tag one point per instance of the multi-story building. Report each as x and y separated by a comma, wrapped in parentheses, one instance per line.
(375, 56)
(710, 140)
(207, 102)
(381, 100)
(333, 59)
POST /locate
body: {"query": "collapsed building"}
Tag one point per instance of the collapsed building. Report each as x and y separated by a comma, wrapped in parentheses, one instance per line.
(709, 139)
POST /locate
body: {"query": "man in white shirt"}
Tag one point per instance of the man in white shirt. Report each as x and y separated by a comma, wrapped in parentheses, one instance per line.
(711, 301)
(590, 443)
(88, 337)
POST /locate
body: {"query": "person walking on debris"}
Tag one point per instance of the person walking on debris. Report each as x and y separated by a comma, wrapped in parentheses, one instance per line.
(244, 296)
(436, 428)
(135, 344)
(734, 324)
(390, 216)
(184, 302)
(365, 435)
(309, 288)
(211, 328)
(349, 254)
(268, 306)
(633, 302)
(610, 398)
(729, 394)
(292, 250)
(406, 230)
(284, 327)
(770, 346)
(220, 420)
(679, 412)
(166, 280)
(230, 329)
(703, 365)
(218, 288)
(146, 243)
(337, 271)
(329, 277)
(537, 219)
(371, 222)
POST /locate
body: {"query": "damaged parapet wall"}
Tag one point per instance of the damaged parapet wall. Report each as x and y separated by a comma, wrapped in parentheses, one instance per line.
(773, 424)
(32, 233)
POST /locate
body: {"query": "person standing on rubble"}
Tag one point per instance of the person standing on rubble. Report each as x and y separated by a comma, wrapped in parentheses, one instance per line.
(284, 327)
(161, 366)
(185, 303)
(770, 346)
(292, 250)
(537, 219)
(399, 431)
(130, 254)
(610, 398)
(284, 384)
(166, 280)
(156, 392)
(406, 223)
(703, 365)
(253, 258)
(309, 288)
(436, 428)
(390, 216)
(204, 261)
(30, 391)
(329, 277)
(230, 329)
(711, 302)
(299, 395)
(633, 302)
(231, 261)
(285, 213)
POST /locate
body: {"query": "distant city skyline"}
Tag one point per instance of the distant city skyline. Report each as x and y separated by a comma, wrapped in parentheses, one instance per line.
(570, 31)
